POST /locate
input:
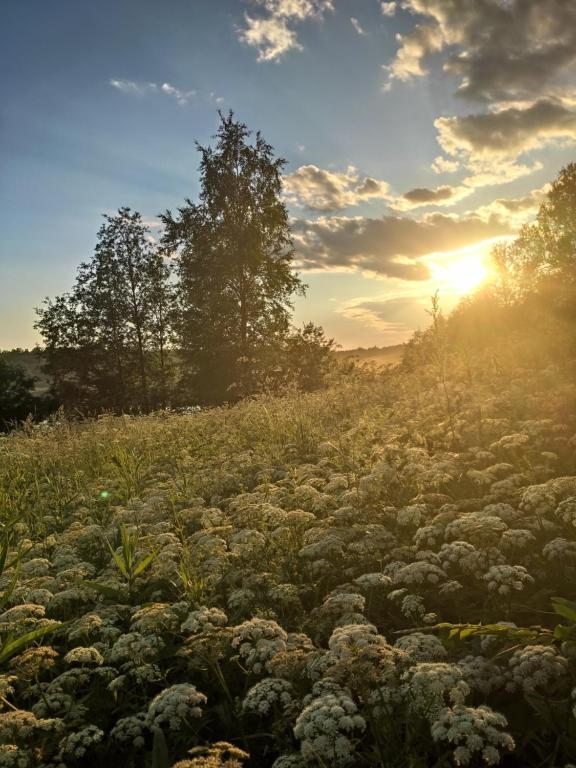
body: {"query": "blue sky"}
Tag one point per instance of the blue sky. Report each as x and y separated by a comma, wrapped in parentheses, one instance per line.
(102, 102)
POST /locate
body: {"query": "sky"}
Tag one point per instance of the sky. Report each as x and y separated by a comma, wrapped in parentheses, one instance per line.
(416, 133)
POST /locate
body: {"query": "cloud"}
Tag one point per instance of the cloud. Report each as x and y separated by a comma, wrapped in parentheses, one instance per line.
(321, 190)
(498, 49)
(444, 165)
(129, 86)
(515, 210)
(391, 246)
(444, 195)
(272, 33)
(140, 89)
(506, 133)
(422, 41)
(357, 26)
(388, 9)
(182, 97)
(401, 315)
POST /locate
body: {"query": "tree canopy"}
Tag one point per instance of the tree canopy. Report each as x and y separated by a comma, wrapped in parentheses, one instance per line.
(234, 264)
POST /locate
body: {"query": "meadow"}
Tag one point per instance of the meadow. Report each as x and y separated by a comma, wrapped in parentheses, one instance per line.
(378, 574)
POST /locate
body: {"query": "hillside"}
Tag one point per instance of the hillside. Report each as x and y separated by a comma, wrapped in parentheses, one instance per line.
(351, 576)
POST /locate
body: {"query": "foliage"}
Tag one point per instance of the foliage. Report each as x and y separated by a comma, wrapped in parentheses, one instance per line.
(377, 573)
(17, 398)
(234, 266)
(106, 342)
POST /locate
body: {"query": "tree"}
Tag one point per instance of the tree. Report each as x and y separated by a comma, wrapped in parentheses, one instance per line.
(234, 265)
(16, 398)
(102, 339)
(307, 357)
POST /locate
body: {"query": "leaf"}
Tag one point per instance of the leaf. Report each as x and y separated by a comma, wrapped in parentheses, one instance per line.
(11, 587)
(4, 550)
(562, 632)
(160, 756)
(565, 608)
(104, 589)
(118, 560)
(14, 645)
(145, 562)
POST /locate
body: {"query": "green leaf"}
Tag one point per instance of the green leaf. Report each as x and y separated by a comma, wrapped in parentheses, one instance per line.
(103, 589)
(11, 587)
(118, 560)
(14, 645)
(562, 632)
(564, 608)
(145, 563)
(160, 756)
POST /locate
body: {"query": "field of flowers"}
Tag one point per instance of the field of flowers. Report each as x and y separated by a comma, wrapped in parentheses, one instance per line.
(381, 574)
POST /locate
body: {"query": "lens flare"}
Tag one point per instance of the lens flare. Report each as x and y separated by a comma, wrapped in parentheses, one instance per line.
(461, 272)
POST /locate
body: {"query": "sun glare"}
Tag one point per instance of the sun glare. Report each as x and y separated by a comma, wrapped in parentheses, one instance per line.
(461, 272)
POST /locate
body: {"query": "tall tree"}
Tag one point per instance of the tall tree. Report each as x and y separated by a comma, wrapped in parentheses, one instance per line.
(234, 264)
(100, 338)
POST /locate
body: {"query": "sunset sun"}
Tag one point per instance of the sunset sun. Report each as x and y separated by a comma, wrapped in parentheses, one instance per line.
(461, 272)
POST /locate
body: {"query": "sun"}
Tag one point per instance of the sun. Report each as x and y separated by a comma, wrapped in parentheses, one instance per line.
(461, 272)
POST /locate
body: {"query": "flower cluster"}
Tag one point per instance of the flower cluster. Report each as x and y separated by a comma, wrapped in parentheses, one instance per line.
(473, 731)
(327, 728)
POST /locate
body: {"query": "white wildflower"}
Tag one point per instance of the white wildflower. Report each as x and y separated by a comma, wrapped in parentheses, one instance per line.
(347, 641)
(422, 647)
(327, 729)
(504, 579)
(131, 730)
(87, 656)
(203, 620)
(537, 667)
(267, 695)
(257, 642)
(474, 732)
(79, 744)
(174, 707)
(429, 686)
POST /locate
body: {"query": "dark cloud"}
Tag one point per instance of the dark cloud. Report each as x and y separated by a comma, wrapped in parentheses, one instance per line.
(424, 195)
(506, 132)
(390, 246)
(500, 49)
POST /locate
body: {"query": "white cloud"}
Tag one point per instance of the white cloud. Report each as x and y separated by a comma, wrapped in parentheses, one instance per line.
(182, 97)
(515, 210)
(272, 32)
(140, 89)
(388, 9)
(357, 26)
(272, 37)
(129, 86)
(321, 190)
(444, 165)
(422, 41)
